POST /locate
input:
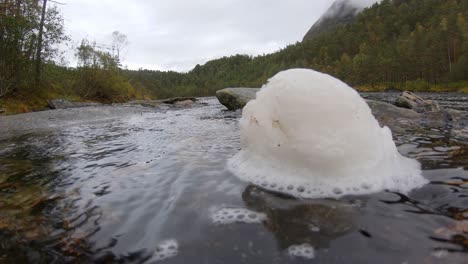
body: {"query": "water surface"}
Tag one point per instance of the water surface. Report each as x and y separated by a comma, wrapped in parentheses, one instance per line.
(122, 189)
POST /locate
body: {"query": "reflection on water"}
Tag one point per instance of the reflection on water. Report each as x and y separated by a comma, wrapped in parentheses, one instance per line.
(297, 222)
(142, 190)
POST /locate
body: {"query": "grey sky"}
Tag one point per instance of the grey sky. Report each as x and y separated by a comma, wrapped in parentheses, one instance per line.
(178, 34)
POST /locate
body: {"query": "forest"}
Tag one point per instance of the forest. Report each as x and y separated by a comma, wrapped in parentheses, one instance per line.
(418, 45)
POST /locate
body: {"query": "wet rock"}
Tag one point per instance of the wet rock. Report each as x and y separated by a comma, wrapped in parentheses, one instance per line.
(178, 100)
(412, 101)
(453, 124)
(2, 110)
(236, 98)
(66, 104)
(396, 118)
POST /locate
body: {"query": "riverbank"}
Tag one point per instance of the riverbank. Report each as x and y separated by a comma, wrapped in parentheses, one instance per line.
(416, 86)
(32, 100)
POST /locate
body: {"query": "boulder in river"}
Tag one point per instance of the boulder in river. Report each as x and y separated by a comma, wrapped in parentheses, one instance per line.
(65, 104)
(2, 110)
(412, 101)
(236, 98)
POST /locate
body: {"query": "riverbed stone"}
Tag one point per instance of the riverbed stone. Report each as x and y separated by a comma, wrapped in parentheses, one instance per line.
(236, 98)
(412, 101)
(66, 104)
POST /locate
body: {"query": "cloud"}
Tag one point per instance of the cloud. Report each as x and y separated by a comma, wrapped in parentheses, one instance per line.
(178, 34)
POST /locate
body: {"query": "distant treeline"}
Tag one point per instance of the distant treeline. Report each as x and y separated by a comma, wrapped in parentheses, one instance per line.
(417, 45)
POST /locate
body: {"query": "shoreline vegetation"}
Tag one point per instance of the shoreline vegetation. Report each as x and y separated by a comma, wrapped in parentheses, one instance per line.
(412, 45)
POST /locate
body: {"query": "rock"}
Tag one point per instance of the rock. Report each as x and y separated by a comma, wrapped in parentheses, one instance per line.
(236, 98)
(185, 103)
(451, 123)
(178, 99)
(60, 104)
(2, 110)
(396, 118)
(65, 104)
(412, 101)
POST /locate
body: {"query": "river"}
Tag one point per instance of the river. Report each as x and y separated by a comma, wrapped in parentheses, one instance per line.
(152, 186)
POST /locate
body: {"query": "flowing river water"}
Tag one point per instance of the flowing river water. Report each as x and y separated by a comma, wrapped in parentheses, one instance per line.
(152, 187)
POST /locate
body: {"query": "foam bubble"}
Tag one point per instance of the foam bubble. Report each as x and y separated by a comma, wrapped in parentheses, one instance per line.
(303, 251)
(166, 249)
(226, 216)
(310, 135)
(442, 253)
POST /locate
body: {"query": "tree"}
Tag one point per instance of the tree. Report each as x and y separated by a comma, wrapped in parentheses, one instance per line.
(29, 32)
(39, 42)
(119, 41)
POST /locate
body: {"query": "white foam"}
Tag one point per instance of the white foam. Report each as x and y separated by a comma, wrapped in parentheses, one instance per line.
(310, 135)
(166, 249)
(226, 216)
(442, 253)
(303, 251)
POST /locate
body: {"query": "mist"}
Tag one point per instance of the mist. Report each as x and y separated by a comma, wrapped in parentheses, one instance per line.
(361, 4)
(344, 8)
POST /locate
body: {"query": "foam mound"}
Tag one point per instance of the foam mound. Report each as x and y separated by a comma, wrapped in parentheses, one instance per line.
(310, 135)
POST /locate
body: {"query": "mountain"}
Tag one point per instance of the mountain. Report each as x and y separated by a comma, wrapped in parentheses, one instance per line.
(340, 12)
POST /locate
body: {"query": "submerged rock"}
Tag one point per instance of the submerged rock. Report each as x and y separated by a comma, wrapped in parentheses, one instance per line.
(296, 222)
(236, 98)
(412, 101)
(66, 104)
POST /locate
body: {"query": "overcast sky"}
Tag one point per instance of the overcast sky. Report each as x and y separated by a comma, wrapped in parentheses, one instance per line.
(178, 34)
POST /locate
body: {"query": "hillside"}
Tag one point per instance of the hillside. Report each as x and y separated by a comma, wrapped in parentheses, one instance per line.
(341, 12)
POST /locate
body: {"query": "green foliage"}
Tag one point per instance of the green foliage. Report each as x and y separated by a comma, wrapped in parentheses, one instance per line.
(19, 41)
(98, 75)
